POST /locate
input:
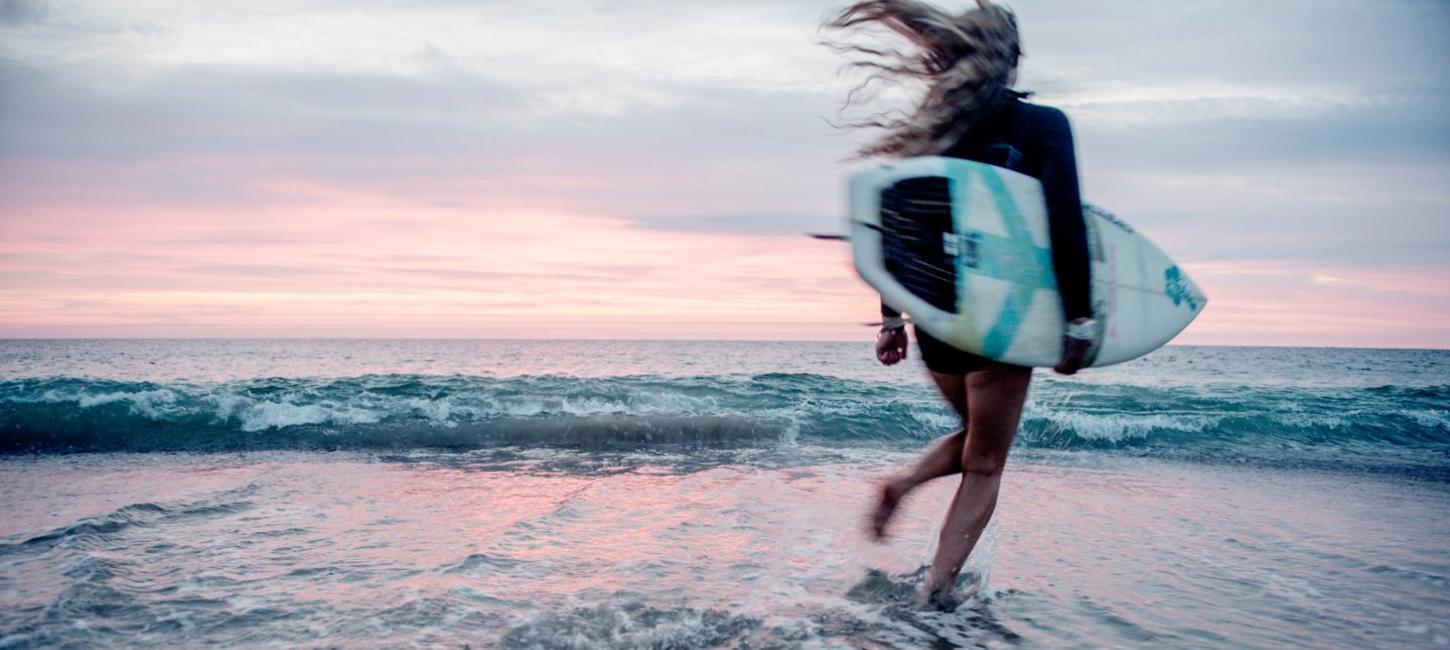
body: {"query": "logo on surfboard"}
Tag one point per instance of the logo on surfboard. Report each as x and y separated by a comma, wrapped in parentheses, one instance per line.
(963, 245)
(1178, 288)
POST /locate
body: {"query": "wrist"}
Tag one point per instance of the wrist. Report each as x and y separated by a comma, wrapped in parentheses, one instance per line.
(1082, 329)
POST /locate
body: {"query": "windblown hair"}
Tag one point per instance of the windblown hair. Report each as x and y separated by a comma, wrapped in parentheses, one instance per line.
(965, 61)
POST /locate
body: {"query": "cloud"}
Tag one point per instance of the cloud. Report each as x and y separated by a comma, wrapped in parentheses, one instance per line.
(582, 153)
(229, 136)
(17, 12)
(1194, 137)
(238, 111)
(758, 223)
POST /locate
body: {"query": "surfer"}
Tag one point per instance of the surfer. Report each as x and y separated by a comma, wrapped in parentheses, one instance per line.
(968, 64)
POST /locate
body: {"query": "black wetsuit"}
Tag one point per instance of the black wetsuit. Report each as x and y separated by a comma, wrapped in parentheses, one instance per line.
(1034, 140)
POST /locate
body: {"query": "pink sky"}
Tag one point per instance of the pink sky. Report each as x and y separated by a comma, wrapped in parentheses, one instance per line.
(252, 181)
(336, 262)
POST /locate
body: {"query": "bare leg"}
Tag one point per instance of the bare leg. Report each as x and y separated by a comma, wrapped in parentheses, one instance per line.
(994, 396)
(944, 458)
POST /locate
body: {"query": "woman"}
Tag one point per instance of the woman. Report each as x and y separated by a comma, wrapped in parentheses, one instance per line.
(968, 63)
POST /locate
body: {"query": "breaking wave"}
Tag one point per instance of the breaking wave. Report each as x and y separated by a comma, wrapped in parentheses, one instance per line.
(465, 412)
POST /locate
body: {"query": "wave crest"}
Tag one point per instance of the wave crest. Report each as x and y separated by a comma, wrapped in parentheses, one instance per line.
(405, 411)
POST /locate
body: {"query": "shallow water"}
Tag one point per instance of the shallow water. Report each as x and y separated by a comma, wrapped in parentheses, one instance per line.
(491, 494)
(532, 548)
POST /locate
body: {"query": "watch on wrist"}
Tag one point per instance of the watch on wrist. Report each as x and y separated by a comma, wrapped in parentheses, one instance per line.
(1082, 330)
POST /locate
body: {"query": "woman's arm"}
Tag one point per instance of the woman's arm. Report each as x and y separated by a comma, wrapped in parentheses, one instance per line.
(889, 315)
(1064, 216)
(1070, 258)
(891, 343)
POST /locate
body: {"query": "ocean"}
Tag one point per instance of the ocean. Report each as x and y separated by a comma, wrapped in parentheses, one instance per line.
(674, 494)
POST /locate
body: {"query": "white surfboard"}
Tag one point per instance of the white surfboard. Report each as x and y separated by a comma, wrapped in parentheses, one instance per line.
(963, 248)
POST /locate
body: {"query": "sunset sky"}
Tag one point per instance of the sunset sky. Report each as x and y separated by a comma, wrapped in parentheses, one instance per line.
(646, 168)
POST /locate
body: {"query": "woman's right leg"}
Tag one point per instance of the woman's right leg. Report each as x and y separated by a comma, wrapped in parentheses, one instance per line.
(944, 458)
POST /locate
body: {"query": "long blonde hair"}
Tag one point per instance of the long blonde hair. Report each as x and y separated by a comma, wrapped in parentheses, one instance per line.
(966, 61)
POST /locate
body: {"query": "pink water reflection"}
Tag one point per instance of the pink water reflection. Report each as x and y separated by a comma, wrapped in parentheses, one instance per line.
(1112, 553)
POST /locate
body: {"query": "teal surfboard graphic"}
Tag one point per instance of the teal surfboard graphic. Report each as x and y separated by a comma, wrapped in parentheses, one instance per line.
(1014, 258)
(1177, 288)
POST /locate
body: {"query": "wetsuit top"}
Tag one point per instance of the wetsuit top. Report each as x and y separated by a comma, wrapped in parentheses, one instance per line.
(1037, 141)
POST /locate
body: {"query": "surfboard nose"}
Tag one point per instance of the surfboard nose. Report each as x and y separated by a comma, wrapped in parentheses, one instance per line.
(1182, 290)
(1188, 301)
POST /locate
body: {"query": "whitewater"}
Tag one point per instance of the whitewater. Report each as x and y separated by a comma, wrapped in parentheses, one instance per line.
(704, 494)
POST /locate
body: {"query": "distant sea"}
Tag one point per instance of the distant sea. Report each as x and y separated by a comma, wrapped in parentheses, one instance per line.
(598, 494)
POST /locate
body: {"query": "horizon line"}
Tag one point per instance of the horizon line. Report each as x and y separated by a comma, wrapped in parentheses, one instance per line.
(626, 340)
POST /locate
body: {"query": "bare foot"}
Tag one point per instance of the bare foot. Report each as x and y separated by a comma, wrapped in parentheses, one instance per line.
(889, 496)
(946, 599)
(937, 600)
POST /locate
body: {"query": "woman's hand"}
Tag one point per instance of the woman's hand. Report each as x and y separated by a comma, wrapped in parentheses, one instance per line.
(1074, 353)
(891, 345)
(1075, 345)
